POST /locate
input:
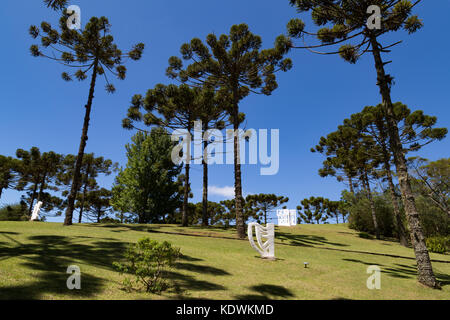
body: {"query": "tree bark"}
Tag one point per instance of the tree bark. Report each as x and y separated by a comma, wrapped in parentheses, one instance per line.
(83, 199)
(184, 217)
(33, 197)
(425, 270)
(79, 162)
(205, 221)
(350, 183)
(366, 183)
(240, 224)
(401, 232)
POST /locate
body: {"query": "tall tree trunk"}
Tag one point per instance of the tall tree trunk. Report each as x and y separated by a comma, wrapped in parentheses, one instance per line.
(41, 190)
(184, 217)
(1, 191)
(205, 221)
(425, 270)
(33, 197)
(240, 224)
(83, 198)
(401, 232)
(84, 138)
(350, 183)
(372, 205)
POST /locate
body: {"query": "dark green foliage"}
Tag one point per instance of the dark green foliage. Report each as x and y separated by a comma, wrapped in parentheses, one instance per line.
(236, 66)
(90, 50)
(432, 181)
(174, 108)
(97, 204)
(56, 4)
(148, 187)
(313, 210)
(148, 260)
(360, 217)
(15, 212)
(344, 24)
(262, 204)
(8, 173)
(37, 173)
(92, 167)
(438, 244)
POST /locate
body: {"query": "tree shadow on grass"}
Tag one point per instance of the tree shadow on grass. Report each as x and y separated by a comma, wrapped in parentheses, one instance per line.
(404, 271)
(184, 283)
(305, 240)
(201, 269)
(48, 258)
(267, 292)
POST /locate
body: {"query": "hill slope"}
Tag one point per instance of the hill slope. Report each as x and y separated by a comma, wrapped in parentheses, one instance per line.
(34, 258)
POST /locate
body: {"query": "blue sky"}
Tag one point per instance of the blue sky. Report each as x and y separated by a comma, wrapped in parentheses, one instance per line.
(39, 109)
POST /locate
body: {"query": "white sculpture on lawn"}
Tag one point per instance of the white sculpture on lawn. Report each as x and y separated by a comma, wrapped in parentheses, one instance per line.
(36, 210)
(287, 218)
(265, 248)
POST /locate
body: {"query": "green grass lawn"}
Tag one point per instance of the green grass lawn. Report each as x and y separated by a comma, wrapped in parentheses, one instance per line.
(215, 265)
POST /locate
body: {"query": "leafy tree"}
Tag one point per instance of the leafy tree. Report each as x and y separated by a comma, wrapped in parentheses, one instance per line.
(227, 215)
(261, 204)
(97, 204)
(352, 154)
(91, 168)
(37, 173)
(179, 107)
(236, 66)
(346, 21)
(8, 173)
(416, 130)
(433, 179)
(313, 209)
(148, 187)
(15, 212)
(334, 209)
(90, 50)
(337, 147)
(212, 116)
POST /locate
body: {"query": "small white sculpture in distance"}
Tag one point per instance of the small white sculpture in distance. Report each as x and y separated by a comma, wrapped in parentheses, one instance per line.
(265, 248)
(36, 210)
(287, 218)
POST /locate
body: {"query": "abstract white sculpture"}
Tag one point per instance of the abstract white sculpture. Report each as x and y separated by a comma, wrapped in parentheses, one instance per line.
(287, 218)
(36, 210)
(267, 248)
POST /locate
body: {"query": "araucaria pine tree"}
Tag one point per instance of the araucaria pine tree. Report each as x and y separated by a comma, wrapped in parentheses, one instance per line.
(349, 21)
(236, 66)
(171, 107)
(91, 50)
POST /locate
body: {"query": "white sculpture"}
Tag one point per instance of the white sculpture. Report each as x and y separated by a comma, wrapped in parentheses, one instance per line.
(287, 218)
(36, 210)
(267, 248)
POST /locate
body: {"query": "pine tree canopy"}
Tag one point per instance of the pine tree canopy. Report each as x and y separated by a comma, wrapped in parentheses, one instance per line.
(91, 49)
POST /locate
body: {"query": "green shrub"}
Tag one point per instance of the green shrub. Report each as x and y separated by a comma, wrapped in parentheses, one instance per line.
(148, 260)
(14, 212)
(438, 244)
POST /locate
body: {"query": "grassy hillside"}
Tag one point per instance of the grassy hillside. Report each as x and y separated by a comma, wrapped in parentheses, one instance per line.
(34, 258)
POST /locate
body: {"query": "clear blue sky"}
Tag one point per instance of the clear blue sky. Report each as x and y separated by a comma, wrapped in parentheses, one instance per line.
(39, 109)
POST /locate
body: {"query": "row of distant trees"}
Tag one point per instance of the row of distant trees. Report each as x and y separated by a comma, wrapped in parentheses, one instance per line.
(233, 66)
(47, 177)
